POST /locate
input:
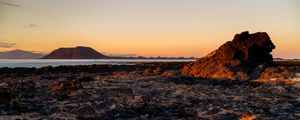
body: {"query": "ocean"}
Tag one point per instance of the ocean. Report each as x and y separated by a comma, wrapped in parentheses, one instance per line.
(28, 63)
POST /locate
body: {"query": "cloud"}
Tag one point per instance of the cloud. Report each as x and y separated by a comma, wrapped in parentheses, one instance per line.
(34, 25)
(9, 4)
(7, 45)
(39, 52)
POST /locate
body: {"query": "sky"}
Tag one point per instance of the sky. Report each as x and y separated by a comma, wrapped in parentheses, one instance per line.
(147, 27)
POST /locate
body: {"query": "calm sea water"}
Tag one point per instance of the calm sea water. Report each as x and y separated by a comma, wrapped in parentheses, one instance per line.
(12, 63)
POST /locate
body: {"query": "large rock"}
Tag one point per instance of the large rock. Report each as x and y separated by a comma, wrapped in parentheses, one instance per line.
(276, 76)
(243, 58)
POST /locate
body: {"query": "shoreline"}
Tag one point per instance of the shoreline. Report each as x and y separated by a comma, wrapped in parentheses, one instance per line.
(59, 62)
(291, 64)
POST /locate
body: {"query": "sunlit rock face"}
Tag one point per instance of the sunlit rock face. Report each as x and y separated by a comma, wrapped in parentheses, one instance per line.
(243, 58)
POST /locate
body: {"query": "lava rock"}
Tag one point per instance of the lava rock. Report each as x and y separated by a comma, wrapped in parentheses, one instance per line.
(236, 59)
(277, 75)
(149, 72)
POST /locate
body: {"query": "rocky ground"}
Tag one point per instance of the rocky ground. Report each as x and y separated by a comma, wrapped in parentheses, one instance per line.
(148, 91)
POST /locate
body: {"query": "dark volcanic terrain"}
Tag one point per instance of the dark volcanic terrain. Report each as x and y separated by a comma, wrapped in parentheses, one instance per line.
(143, 91)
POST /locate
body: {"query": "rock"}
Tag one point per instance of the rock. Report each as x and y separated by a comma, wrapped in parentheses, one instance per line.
(298, 115)
(279, 72)
(113, 106)
(280, 89)
(11, 117)
(148, 72)
(57, 86)
(236, 59)
(296, 85)
(67, 87)
(158, 70)
(238, 98)
(171, 73)
(3, 85)
(248, 117)
(97, 78)
(179, 91)
(136, 101)
(279, 75)
(63, 116)
(31, 116)
(241, 75)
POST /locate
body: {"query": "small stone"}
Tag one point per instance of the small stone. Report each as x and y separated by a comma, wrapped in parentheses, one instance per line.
(158, 70)
(3, 85)
(57, 86)
(137, 98)
(296, 85)
(298, 115)
(248, 117)
(280, 89)
(113, 106)
(148, 72)
(178, 91)
(171, 73)
(97, 78)
(238, 98)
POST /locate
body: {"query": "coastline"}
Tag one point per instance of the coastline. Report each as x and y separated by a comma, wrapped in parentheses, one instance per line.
(38, 63)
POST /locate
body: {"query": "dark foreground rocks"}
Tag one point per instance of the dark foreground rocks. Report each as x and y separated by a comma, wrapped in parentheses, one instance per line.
(104, 69)
(147, 93)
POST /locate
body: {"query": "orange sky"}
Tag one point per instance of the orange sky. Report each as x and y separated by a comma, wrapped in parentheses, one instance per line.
(148, 28)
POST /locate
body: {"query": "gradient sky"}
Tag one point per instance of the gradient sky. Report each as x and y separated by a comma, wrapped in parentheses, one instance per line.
(147, 27)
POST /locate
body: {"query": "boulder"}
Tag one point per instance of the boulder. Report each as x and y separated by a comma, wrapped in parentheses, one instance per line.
(243, 58)
(277, 75)
(248, 117)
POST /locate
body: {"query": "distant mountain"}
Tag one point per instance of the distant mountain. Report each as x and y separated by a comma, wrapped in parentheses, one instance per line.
(122, 55)
(79, 52)
(20, 54)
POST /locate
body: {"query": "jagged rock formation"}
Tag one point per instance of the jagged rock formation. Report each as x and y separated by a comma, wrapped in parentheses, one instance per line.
(75, 53)
(243, 58)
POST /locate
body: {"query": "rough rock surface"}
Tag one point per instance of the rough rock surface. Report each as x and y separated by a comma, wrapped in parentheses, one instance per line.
(243, 58)
(276, 75)
(114, 94)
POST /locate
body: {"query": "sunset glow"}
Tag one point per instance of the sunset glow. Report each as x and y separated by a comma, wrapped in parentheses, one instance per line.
(147, 27)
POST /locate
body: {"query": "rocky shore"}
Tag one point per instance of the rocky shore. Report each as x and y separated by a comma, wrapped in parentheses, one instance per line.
(239, 80)
(141, 91)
